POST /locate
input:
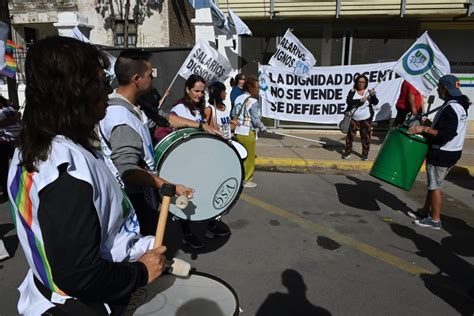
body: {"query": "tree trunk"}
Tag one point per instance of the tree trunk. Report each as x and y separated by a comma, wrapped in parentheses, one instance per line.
(125, 23)
(11, 82)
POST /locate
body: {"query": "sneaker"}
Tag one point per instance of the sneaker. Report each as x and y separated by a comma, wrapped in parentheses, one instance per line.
(428, 223)
(193, 241)
(364, 158)
(346, 156)
(418, 214)
(217, 228)
(249, 184)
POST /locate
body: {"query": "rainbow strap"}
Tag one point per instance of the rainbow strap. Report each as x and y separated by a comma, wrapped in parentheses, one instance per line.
(20, 190)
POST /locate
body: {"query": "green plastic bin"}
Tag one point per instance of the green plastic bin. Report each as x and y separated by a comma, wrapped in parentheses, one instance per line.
(400, 158)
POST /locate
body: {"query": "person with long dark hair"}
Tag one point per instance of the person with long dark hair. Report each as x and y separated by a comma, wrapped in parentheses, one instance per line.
(77, 228)
(237, 84)
(446, 139)
(360, 102)
(192, 107)
(216, 112)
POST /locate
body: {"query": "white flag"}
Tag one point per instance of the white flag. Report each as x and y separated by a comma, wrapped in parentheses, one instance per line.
(206, 62)
(2, 54)
(423, 64)
(221, 24)
(293, 56)
(235, 23)
(77, 34)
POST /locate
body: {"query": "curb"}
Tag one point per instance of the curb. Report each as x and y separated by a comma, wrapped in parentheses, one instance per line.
(266, 162)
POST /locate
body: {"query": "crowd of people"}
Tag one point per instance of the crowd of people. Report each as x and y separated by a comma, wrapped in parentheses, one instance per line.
(98, 241)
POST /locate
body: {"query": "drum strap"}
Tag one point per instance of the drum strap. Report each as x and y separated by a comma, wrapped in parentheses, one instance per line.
(244, 104)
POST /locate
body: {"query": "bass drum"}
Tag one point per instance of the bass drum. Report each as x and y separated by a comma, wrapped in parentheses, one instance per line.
(206, 163)
(198, 294)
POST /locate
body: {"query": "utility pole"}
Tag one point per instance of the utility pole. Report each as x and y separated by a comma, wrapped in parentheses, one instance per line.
(11, 82)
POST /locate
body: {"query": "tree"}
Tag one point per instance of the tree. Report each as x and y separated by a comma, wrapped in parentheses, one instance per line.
(11, 82)
(113, 10)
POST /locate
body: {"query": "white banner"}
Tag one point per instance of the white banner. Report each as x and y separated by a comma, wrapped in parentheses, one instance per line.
(293, 56)
(423, 64)
(206, 62)
(235, 23)
(321, 97)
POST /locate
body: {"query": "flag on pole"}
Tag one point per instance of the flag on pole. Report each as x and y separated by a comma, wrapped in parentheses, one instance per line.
(237, 26)
(206, 62)
(219, 19)
(77, 34)
(293, 56)
(423, 65)
(9, 69)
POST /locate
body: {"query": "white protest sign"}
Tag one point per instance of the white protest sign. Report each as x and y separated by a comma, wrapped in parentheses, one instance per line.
(293, 56)
(423, 65)
(321, 96)
(206, 62)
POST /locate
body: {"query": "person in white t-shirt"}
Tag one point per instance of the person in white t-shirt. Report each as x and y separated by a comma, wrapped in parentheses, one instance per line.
(216, 112)
(192, 106)
(359, 102)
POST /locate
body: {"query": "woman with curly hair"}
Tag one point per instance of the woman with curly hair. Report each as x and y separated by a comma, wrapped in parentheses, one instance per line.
(77, 228)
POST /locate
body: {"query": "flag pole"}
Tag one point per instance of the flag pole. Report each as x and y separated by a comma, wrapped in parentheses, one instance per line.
(169, 89)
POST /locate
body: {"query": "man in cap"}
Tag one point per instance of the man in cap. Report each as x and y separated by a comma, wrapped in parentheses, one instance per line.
(446, 139)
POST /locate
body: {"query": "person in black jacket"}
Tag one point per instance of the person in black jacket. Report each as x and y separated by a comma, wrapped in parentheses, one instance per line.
(360, 101)
(446, 138)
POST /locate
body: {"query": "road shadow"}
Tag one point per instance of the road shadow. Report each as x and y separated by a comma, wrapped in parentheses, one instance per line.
(334, 145)
(462, 236)
(11, 242)
(461, 177)
(455, 277)
(366, 195)
(292, 303)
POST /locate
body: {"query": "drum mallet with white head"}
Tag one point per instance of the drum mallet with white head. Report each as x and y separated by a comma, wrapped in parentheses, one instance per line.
(177, 267)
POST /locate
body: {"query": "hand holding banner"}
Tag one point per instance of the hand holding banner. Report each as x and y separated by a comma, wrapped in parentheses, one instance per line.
(293, 56)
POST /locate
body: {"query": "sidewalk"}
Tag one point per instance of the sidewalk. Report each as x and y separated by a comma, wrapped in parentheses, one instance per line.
(275, 150)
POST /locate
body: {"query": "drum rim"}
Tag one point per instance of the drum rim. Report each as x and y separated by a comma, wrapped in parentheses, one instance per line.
(227, 285)
(199, 133)
(212, 277)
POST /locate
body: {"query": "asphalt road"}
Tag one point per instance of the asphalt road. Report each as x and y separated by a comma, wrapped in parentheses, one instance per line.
(325, 244)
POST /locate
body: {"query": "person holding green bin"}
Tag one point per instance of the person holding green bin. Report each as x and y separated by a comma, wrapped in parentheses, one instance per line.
(446, 139)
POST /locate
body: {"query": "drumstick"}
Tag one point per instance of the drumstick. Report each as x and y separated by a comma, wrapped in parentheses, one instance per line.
(177, 266)
(167, 191)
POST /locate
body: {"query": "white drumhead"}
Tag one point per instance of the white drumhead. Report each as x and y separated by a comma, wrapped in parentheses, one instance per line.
(211, 167)
(240, 149)
(195, 295)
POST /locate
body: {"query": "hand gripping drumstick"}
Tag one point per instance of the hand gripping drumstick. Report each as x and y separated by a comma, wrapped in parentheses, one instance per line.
(177, 267)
